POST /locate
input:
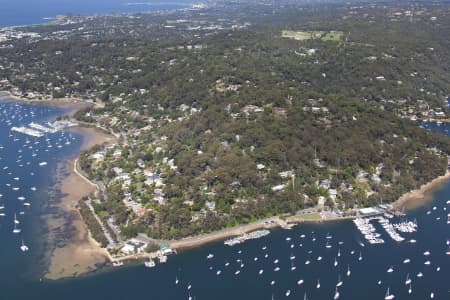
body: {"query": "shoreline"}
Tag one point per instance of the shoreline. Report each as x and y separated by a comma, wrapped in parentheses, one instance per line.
(410, 200)
(417, 197)
(72, 105)
(421, 196)
(80, 254)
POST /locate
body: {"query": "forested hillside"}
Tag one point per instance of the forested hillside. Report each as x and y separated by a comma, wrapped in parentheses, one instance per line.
(226, 118)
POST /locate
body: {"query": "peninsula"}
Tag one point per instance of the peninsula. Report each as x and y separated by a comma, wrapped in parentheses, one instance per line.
(226, 121)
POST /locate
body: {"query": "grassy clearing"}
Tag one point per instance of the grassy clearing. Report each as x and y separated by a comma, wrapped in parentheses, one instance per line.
(334, 36)
(313, 216)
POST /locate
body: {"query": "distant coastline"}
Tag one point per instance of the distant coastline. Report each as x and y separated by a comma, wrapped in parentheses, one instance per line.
(96, 8)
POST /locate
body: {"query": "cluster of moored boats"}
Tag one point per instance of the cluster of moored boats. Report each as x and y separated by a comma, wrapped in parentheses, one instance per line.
(390, 230)
(19, 167)
(309, 252)
(406, 226)
(368, 230)
(39, 130)
(247, 236)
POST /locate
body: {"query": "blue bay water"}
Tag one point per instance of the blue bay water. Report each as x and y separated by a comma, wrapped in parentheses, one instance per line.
(27, 12)
(20, 272)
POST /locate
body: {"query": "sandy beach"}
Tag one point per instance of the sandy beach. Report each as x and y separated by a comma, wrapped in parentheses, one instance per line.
(421, 196)
(78, 253)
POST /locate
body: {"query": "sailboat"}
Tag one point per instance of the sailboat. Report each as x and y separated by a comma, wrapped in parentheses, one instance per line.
(408, 280)
(318, 284)
(23, 247)
(293, 267)
(176, 280)
(335, 262)
(339, 283)
(360, 256)
(15, 219)
(348, 270)
(336, 294)
(388, 295)
(410, 289)
(16, 230)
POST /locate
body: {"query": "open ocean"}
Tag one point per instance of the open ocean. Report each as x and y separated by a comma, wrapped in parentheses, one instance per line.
(28, 12)
(198, 276)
